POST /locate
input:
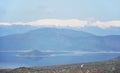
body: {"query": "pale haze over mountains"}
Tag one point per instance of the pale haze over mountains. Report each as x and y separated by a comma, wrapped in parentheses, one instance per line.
(15, 29)
(96, 17)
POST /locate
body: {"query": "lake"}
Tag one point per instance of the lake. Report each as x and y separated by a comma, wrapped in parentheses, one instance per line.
(13, 59)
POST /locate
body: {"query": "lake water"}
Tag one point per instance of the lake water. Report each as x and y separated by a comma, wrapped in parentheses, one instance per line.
(13, 59)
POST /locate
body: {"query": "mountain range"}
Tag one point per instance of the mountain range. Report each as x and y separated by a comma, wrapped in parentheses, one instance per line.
(16, 29)
(59, 39)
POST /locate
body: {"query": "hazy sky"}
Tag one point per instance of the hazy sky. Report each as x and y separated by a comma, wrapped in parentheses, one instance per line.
(32, 10)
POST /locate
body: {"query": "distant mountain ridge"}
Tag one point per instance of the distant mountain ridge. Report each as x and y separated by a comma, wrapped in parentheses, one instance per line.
(17, 29)
(60, 39)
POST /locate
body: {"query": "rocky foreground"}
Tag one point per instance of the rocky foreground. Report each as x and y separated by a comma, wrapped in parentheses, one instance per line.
(109, 66)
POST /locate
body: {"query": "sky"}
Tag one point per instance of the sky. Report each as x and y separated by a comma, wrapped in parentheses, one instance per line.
(103, 13)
